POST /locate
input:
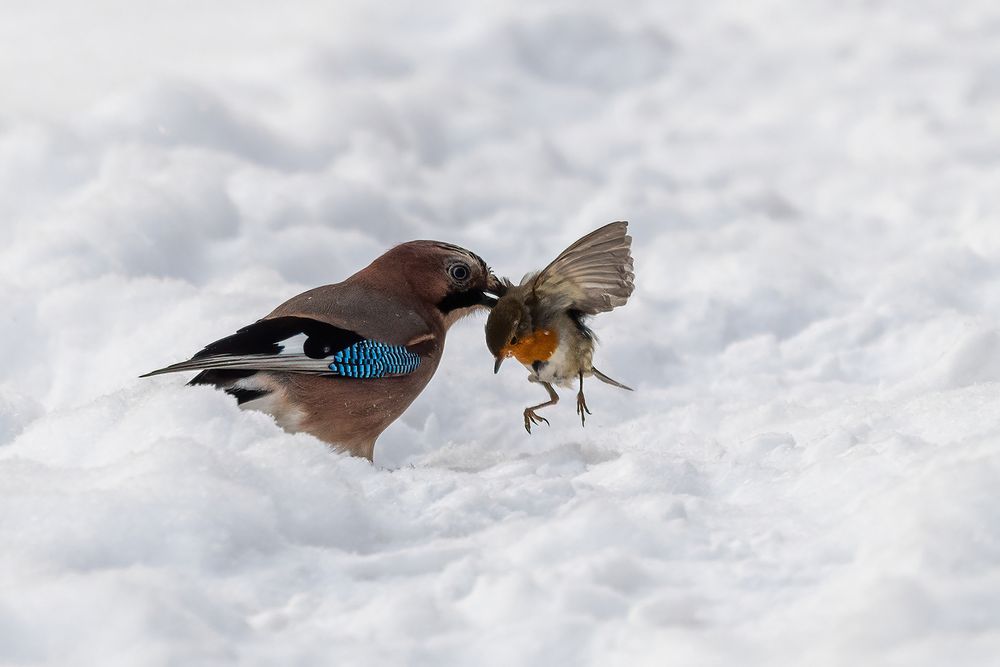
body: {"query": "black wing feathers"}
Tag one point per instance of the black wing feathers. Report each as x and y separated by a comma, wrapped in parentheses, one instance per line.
(265, 336)
(262, 346)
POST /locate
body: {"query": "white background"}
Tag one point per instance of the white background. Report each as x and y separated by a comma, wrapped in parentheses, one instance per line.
(808, 472)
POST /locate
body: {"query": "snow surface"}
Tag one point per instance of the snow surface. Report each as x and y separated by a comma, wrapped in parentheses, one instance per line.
(808, 474)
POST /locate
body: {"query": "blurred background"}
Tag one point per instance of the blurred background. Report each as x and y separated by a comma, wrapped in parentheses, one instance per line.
(814, 192)
(171, 171)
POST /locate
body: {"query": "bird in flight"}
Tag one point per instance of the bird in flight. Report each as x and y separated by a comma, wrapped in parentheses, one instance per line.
(542, 321)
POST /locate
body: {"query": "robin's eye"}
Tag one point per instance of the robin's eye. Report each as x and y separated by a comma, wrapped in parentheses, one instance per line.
(513, 340)
(459, 272)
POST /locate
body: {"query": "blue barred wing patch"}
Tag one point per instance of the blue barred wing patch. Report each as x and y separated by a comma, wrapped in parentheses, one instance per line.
(372, 359)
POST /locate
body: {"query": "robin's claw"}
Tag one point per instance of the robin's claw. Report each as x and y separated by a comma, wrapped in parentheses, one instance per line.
(582, 409)
(533, 418)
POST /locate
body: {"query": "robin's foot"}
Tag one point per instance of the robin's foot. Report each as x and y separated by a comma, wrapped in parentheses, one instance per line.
(532, 418)
(581, 408)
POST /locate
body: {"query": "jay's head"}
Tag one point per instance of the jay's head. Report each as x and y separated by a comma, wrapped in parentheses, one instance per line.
(454, 280)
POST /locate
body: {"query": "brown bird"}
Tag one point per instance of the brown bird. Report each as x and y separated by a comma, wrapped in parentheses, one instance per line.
(541, 322)
(344, 361)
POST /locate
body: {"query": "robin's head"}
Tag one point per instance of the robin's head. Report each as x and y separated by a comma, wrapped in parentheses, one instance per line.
(509, 322)
(453, 279)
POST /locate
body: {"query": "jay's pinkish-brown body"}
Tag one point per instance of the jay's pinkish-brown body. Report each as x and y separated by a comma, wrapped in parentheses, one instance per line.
(344, 361)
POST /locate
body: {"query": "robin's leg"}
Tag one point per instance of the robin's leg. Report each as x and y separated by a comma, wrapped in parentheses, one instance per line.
(531, 417)
(581, 403)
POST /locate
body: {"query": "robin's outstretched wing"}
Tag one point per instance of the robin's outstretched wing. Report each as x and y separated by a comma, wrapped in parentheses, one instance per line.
(594, 275)
(301, 345)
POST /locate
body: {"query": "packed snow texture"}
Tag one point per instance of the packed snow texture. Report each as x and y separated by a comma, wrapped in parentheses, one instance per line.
(807, 474)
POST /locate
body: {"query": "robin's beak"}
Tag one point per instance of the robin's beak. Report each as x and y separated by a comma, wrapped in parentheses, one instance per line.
(505, 352)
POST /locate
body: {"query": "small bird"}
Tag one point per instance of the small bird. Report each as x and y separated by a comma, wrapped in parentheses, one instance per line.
(344, 361)
(541, 322)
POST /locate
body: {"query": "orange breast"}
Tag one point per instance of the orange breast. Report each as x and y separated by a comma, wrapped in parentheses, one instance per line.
(538, 346)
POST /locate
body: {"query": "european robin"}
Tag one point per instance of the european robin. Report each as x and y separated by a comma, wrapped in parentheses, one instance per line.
(542, 321)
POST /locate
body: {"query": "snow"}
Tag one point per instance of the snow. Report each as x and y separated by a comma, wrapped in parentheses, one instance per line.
(808, 472)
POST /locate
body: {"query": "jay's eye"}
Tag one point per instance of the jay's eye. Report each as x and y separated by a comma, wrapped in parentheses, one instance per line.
(459, 272)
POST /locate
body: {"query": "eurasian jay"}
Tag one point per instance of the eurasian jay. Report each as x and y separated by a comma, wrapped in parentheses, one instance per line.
(344, 361)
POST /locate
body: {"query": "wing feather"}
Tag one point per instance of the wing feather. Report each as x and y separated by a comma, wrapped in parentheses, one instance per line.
(300, 345)
(593, 275)
(292, 363)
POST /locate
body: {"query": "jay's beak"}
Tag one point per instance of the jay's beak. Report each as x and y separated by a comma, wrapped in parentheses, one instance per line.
(495, 288)
(489, 299)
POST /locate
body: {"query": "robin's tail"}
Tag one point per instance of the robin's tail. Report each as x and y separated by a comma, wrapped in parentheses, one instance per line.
(604, 378)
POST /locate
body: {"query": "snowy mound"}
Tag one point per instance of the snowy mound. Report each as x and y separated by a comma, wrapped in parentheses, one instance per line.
(807, 474)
